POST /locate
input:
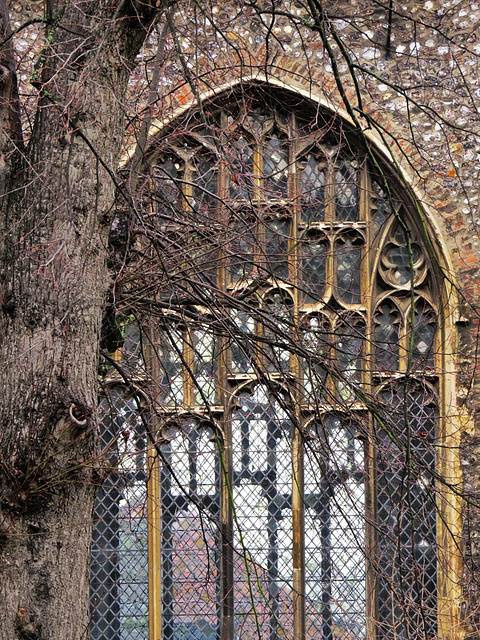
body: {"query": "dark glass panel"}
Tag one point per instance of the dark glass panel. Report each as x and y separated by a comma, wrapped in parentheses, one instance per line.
(241, 249)
(275, 161)
(190, 503)
(205, 186)
(168, 177)
(346, 192)
(169, 351)
(406, 515)
(313, 275)
(424, 327)
(348, 268)
(241, 169)
(349, 343)
(334, 498)
(276, 241)
(205, 263)
(132, 349)
(387, 323)
(262, 497)
(242, 348)
(312, 188)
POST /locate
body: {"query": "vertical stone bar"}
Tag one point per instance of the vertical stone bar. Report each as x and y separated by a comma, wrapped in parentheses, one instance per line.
(226, 532)
(154, 546)
(298, 537)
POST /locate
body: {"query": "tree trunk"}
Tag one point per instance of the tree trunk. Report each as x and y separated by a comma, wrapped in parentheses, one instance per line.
(55, 214)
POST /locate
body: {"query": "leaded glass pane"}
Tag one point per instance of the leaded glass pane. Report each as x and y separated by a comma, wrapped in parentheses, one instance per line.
(334, 495)
(169, 351)
(348, 268)
(277, 330)
(258, 121)
(346, 189)
(190, 511)
(313, 267)
(205, 187)
(275, 161)
(205, 266)
(242, 347)
(406, 514)
(316, 364)
(276, 239)
(204, 366)
(424, 326)
(387, 322)
(312, 188)
(398, 258)
(261, 432)
(241, 248)
(349, 339)
(241, 169)
(132, 349)
(168, 180)
(119, 579)
(382, 206)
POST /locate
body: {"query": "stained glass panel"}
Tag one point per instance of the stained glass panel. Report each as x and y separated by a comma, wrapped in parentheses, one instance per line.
(168, 177)
(398, 258)
(204, 366)
(424, 326)
(241, 248)
(382, 206)
(242, 347)
(132, 349)
(277, 330)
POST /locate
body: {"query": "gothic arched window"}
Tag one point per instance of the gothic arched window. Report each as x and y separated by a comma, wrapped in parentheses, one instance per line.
(292, 365)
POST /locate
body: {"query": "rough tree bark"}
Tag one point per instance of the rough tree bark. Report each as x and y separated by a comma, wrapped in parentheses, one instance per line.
(55, 211)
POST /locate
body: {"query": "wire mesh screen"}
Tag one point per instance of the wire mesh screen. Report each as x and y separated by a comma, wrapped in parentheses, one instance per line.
(190, 509)
(406, 516)
(262, 502)
(334, 532)
(119, 566)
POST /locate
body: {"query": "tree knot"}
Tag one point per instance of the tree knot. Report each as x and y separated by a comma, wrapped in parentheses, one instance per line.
(78, 414)
(27, 627)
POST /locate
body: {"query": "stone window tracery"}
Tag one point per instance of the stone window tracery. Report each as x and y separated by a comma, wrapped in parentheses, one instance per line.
(296, 415)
